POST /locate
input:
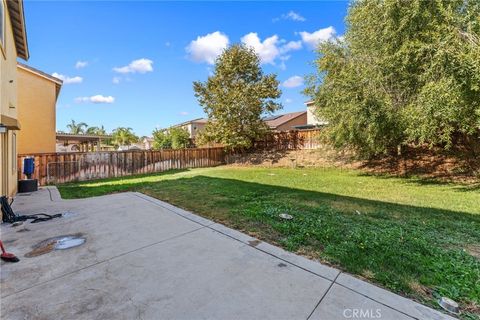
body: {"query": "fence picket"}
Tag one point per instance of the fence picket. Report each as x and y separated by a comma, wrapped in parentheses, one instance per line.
(74, 166)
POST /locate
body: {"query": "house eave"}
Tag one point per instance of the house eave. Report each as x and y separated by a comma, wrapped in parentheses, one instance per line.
(17, 19)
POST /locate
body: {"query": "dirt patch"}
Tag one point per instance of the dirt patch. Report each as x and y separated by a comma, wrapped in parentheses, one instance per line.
(471, 308)
(455, 165)
(40, 250)
(56, 243)
(420, 289)
(254, 243)
(320, 157)
(368, 274)
(473, 250)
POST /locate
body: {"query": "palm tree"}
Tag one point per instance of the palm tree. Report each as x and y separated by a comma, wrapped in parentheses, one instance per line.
(123, 136)
(99, 131)
(91, 130)
(77, 128)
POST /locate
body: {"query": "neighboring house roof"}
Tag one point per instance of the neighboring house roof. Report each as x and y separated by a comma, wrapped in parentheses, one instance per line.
(199, 120)
(310, 103)
(17, 19)
(58, 82)
(276, 121)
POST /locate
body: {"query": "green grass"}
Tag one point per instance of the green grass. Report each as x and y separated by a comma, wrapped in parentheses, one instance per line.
(416, 237)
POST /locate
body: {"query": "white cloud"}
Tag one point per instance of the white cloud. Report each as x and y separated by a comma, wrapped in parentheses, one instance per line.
(293, 82)
(314, 38)
(184, 113)
(267, 49)
(207, 48)
(290, 46)
(136, 66)
(271, 48)
(67, 79)
(81, 64)
(288, 100)
(116, 80)
(292, 15)
(282, 65)
(95, 99)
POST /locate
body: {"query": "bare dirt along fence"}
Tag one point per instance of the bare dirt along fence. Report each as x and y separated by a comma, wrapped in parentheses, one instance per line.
(78, 166)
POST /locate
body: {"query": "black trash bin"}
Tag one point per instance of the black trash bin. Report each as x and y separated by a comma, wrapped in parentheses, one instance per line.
(29, 184)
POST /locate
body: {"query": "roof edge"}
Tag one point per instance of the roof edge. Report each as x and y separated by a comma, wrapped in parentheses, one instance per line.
(17, 20)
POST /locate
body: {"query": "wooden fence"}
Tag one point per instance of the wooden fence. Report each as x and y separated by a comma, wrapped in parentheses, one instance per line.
(290, 140)
(78, 166)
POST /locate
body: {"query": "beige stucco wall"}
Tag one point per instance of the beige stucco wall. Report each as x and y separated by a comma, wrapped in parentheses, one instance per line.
(36, 112)
(300, 120)
(311, 116)
(8, 107)
(196, 128)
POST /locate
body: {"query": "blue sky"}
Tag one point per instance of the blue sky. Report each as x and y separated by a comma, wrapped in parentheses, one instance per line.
(132, 64)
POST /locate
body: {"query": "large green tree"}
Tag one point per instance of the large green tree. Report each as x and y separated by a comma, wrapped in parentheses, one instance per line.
(172, 138)
(235, 97)
(180, 138)
(161, 140)
(405, 72)
(123, 136)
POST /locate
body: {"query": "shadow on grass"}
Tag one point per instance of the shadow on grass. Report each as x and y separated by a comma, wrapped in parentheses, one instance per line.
(424, 181)
(401, 247)
(91, 188)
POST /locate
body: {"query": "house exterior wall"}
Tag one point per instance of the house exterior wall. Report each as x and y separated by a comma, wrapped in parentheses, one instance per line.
(36, 112)
(193, 128)
(300, 120)
(311, 116)
(9, 108)
(196, 128)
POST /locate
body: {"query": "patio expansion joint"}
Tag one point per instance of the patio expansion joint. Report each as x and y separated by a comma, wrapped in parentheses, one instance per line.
(323, 296)
(375, 300)
(157, 202)
(332, 282)
(103, 261)
(277, 257)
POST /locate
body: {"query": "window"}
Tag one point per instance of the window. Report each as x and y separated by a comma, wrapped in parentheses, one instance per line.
(14, 152)
(2, 26)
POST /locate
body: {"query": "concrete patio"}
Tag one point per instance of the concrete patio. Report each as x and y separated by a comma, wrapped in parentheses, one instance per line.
(146, 259)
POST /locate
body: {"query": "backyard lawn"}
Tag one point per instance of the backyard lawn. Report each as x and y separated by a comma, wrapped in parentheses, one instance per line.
(415, 237)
